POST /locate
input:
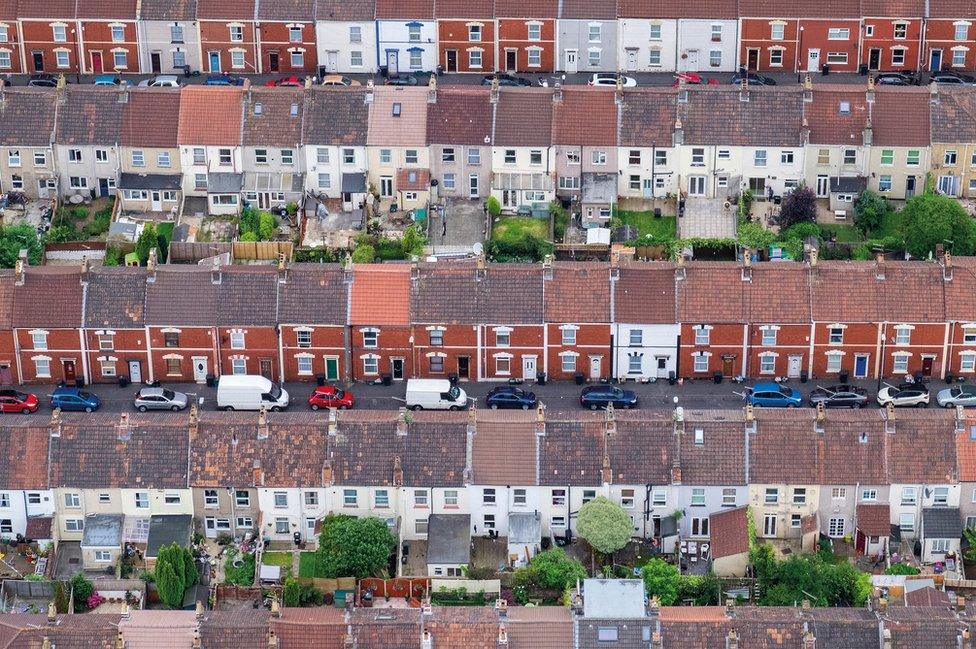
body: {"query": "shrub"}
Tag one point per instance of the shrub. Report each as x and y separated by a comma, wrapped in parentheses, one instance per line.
(901, 569)
(494, 207)
(81, 588)
(799, 206)
(551, 569)
(292, 593)
(363, 254)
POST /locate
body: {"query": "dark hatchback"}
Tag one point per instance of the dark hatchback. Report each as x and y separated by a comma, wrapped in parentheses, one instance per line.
(839, 396)
(508, 397)
(600, 396)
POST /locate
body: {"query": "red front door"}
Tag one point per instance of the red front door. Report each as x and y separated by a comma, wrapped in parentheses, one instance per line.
(96, 61)
(68, 368)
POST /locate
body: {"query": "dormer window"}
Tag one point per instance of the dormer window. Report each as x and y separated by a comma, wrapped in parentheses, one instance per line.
(396, 109)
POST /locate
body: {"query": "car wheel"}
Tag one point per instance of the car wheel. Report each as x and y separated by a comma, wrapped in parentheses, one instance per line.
(228, 408)
(857, 406)
(525, 406)
(418, 407)
(453, 408)
(630, 406)
(88, 408)
(593, 406)
(175, 408)
(494, 406)
(343, 407)
(315, 407)
(141, 408)
(275, 408)
(921, 404)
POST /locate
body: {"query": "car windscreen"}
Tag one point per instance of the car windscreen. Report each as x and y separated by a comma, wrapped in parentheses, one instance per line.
(454, 392)
(169, 395)
(85, 395)
(275, 391)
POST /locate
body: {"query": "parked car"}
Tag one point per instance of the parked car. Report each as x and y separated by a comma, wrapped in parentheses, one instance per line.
(507, 396)
(952, 77)
(75, 399)
(223, 80)
(250, 392)
(692, 79)
(328, 396)
(839, 396)
(773, 395)
(17, 401)
(905, 394)
(610, 79)
(600, 396)
(434, 394)
(110, 80)
(960, 395)
(159, 399)
(338, 80)
(505, 80)
(752, 79)
(893, 79)
(402, 80)
(292, 81)
(43, 80)
(161, 81)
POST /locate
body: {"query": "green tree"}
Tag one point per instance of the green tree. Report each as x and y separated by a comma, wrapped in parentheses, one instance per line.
(147, 241)
(354, 547)
(604, 524)
(552, 569)
(169, 585)
(15, 238)
(663, 580)
(363, 254)
(292, 593)
(412, 242)
(267, 224)
(81, 589)
(60, 234)
(250, 235)
(494, 207)
(870, 209)
(799, 206)
(931, 219)
(190, 574)
(249, 221)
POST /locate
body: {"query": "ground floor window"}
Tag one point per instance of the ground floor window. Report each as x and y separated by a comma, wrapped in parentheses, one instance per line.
(304, 364)
(836, 527)
(238, 366)
(173, 367)
(701, 363)
(568, 363)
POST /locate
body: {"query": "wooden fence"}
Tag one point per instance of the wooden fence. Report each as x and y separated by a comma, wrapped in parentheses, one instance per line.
(261, 250)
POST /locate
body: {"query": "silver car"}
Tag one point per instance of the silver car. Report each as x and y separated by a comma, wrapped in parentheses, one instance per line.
(961, 395)
(159, 399)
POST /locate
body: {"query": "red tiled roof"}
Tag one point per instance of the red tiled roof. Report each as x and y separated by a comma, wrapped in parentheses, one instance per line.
(854, 445)
(413, 180)
(25, 458)
(210, 116)
(525, 8)
(345, 10)
(711, 292)
(578, 292)
(523, 117)
(721, 458)
(380, 295)
(922, 448)
(952, 9)
(718, 115)
(954, 116)
(61, 281)
(409, 127)
(874, 520)
(915, 278)
(585, 117)
(707, 9)
(469, 627)
(927, 596)
(960, 293)
(59, 9)
(845, 291)
(240, 10)
(966, 451)
(647, 117)
(151, 118)
(503, 450)
(108, 9)
(539, 627)
(39, 527)
(643, 449)
(779, 293)
(460, 116)
(729, 532)
(404, 9)
(465, 9)
(784, 448)
(645, 294)
(893, 8)
(829, 9)
(828, 123)
(900, 117)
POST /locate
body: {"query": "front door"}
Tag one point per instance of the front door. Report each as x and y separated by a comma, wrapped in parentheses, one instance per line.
(793, 369)
(5, 375)
(200, 369)
(473, 190)
(68, 371)
(769, 525)
(396, 368)
(450, 62)
(874, 59)
(511, 60)
(861, 366)
(662, 366)
(156, 202)
(528, 368)
(332, 368)
(728, 366)
(909, 187)
(214, 58)
(386, 186)
(38, 61)
(210, 527)
(596, 367)
(935, 60)
(266, 368)
(272, 61)
(927, 362)
(392, 62)
(572, 61)
(947, 185)
(813, 59)
(103, 187)
(135, 371)
(823, 186)
(96, 63)
(332, 61)
(155, 62)
(631, 60)
(464, 363)
(752, 60)
(45, 187)
(691, 62)
(696, 185)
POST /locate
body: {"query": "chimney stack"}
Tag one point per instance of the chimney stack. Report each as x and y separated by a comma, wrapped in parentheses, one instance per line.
(397, 471)
(124, 429)
(879, 266)
(347, 269)
(196, 643)
(947, 267)
(869, 95)
(960, 604)
(257, 473)
(272, 640)
(730, 608)
(732, 640)
(889, 418)
(328, 477)
(807, 89)
(215, 271)
(606, 474)
(540, 420)
(678, 137)
(19, 266)
(275, 607)
(368, 97)
(867, 135)
(557, 92)
(502, 636)
(934, 97)
(199, 610)
(151, 267)
(654, 607)
(432, 89)
(494, 90)
(426, 641)
(55, 423)
(610, 421)
(282, 268)
(263, 429)
(333, 422)
(501, 607)
(481, 269)
(886, 638)
(657, 641)
(746, 265)
(964, 639)
(744, 88)
(821, 417)
(52, 613)
(883, 605)
(814, 257)
(402, 423)
(547, 267)
(809, 640)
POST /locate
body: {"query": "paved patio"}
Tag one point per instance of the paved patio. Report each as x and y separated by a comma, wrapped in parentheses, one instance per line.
(707, 218)
(465, 227)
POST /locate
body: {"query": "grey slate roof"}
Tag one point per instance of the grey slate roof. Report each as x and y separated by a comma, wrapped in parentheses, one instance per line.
(247, 296)
(353, 183)
(337, 117)
(224, 183)
(116, 297)
(941, 523)
(27, 117)
(449, 539)
(848, 183)
(181, 295)
(150, 181)
(345, 10)
(90, 115)
(313, 294)
(168, 10)
(617, 599)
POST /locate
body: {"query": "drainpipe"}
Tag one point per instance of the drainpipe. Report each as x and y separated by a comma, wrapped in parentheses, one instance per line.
(945, 351)
(149, 356)
(84, 356)
(281, 355)
(20, 373)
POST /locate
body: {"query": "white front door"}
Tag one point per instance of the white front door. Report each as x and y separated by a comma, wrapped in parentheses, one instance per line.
(631, 60)
(392, 62)
(572, 61)
(947, 185)
(157, 203)
(793, 369)
(135, 371)
(823, 186)
(528, 368)
(696, 185)
(210, 527)
(200, 369)
(769, 525)
(386, 186)
(473, 190)
(692, 61)
(333, 61)
(813, 59)
(662, 366)
(509, 198)
(596, 363)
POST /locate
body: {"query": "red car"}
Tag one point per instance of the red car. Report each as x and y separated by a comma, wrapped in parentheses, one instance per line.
(328, 396)
(291, 82)
(14, 401)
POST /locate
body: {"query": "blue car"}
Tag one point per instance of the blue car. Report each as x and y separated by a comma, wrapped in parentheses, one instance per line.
(75, 399)
(223, 80)
(773, 395)
(109, 80)
(506, 396)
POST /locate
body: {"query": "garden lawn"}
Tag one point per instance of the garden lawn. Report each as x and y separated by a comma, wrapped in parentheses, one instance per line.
(514, 229)
(646, 224)
(276, 559)
(845, 233)
(308, 565)
(891, 226)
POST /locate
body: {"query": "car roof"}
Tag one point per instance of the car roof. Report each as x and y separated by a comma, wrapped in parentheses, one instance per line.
(325, 389)
(150, 392)
(767, 385)
(66, 390)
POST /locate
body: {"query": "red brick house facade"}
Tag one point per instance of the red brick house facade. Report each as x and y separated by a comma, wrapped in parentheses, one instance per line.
(11, 52)
(949, 42)
(286, 33)
(228, 36)
(466, 35)
(577, 319)
(115, 325)
(49, 36)
(890, 40)
(380, 332)
(109, 38)
(526, 35)
(313, 305)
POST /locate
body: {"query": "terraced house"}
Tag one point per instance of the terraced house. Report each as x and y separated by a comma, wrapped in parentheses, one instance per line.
(27, 124)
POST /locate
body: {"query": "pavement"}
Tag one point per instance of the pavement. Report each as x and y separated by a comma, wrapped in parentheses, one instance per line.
(699, 394)
(465, 226)
(707, 218)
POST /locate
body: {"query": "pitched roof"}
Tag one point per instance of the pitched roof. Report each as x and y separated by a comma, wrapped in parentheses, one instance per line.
(645, 294)
(89, 115)
(503, 447)
(523, 117)
(8, 9)
(107, 9)
(151, 117)
(65, 311)
(384, 627)
(92, 452)
(778, 292)
(585, 117)
(647, 117)
(588, 9)
(29, 630)
(729, 531)
(310, 628)
(27, 117)
(60, 9)
(837, 115)
(721, 457)
(960, 293)
(571, 451)
(954, 116)
(539, 627)
(247, 629)
(707, 9)
(286, 10)
(845, 291)
(6, 299)
(181, 295)
(643, 448)
(830, 9)
(116, 297)
(900, 117)
(247, 295)
(407, 129)
(345, 10)
(25, 460)
(918, 626)
(313, 294)
(571, 281)
(711, 292)
(513, 294)
(874, 519)
(465, 9)
(893, 8)
(168, 10)
(273, 117)
(210, 115)
(966, 451)
(142, 629)
(471, 627)
(854, 448)
(914, 278)
(447, 293)
(242, 10)
(922, 448)
(525, 8)
(952, 9)
(941, 522)
(717, 115)
(413, 179)
(460, 116)
(336, 116)
(404, 9)
(380, 294)
(784, 448)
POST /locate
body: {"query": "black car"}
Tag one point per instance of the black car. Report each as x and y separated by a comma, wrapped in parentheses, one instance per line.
(402, 80)
(505, 80)
(507, 397)
(839, 396)
(893, 79)
(42, 80)
(599, 396)
(753, 79)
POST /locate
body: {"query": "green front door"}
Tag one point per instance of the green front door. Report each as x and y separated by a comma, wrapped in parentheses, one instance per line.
(332, 369)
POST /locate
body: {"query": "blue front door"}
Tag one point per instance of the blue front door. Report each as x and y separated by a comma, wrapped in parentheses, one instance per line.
(860, 367)
(215, 61)
(935, 60)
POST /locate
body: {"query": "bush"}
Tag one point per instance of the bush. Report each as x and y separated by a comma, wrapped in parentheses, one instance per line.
(799, 206)
(113, 256)
(901, 569)
(291, 593)
(661, 579)
(529, 248)
(605, 525)
(61, 234)
(267, 225)
(551, 570)
(81, 588)
(79, 213)
(931, 219)
(869, 211)
(494, 207)
(242, 575)
(354, 547)
(147, 241)
(364, 254)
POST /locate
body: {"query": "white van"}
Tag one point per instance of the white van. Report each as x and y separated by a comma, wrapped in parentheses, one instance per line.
(435, 394)
(250, 392)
